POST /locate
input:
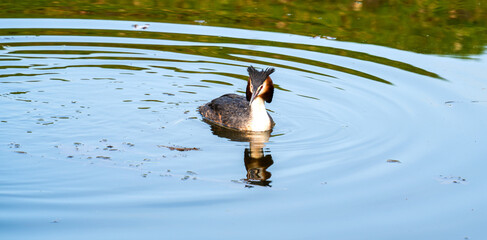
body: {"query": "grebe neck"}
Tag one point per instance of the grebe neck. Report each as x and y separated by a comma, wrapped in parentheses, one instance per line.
(260, 120)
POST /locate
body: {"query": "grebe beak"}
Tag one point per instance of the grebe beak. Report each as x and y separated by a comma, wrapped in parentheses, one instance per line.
(255, 94)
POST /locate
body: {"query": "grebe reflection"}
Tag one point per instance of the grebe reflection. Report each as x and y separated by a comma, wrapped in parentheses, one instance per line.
(256, 166)
(256, 159)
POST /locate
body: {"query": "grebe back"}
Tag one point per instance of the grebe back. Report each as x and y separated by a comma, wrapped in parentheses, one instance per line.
(244, 113)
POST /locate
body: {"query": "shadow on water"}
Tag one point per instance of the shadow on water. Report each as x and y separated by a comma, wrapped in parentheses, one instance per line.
(257, 159)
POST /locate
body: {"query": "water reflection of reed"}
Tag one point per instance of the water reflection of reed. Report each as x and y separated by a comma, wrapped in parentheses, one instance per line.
(256, 160)
(433, 27)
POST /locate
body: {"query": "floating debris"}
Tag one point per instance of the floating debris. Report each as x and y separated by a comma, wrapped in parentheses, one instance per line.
(191, 173)
(451, 180)
(185, 178)
(141, 27)
(393, 161)
(181, 149)
(110, 148)
(103, 157)
(14, 145)
(21, 152)
(200, 21)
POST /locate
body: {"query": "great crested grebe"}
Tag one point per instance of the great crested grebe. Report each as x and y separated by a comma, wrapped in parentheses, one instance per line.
(244, 113)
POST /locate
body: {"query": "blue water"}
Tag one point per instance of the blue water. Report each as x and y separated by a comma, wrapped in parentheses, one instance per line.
(388, 146)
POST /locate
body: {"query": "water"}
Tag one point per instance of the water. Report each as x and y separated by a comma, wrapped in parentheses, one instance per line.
(370, 142)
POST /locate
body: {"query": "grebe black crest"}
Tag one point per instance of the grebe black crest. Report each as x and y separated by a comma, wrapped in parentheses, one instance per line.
(244, 113)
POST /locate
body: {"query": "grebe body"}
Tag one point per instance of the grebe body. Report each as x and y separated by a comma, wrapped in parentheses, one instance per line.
(244, 113)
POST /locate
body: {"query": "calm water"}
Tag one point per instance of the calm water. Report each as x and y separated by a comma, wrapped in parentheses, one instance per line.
(370, 142)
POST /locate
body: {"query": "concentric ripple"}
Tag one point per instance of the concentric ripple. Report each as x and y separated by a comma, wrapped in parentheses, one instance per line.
(93, 104)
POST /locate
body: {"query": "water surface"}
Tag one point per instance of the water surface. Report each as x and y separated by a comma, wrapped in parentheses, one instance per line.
(370, 141)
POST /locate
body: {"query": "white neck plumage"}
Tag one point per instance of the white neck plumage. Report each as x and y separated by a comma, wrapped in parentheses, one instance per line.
(260, 120)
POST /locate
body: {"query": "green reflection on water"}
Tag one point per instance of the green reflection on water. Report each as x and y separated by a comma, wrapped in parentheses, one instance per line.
(230, 53)
(425, 26)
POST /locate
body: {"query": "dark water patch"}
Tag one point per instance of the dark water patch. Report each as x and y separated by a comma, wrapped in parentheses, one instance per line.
(102, 78)
(62, 117)
(277, 86)
(60, 79)
(314, 98)
(23, 100)
(124, 67)
(393, 161)
(189, 92)
(151, 100)
(217, 82)
(24, 75)
(17, 93)
(196, 85)
(10, 59)
(7, 67)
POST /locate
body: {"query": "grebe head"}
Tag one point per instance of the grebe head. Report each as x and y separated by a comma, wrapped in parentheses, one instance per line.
(260, 84)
